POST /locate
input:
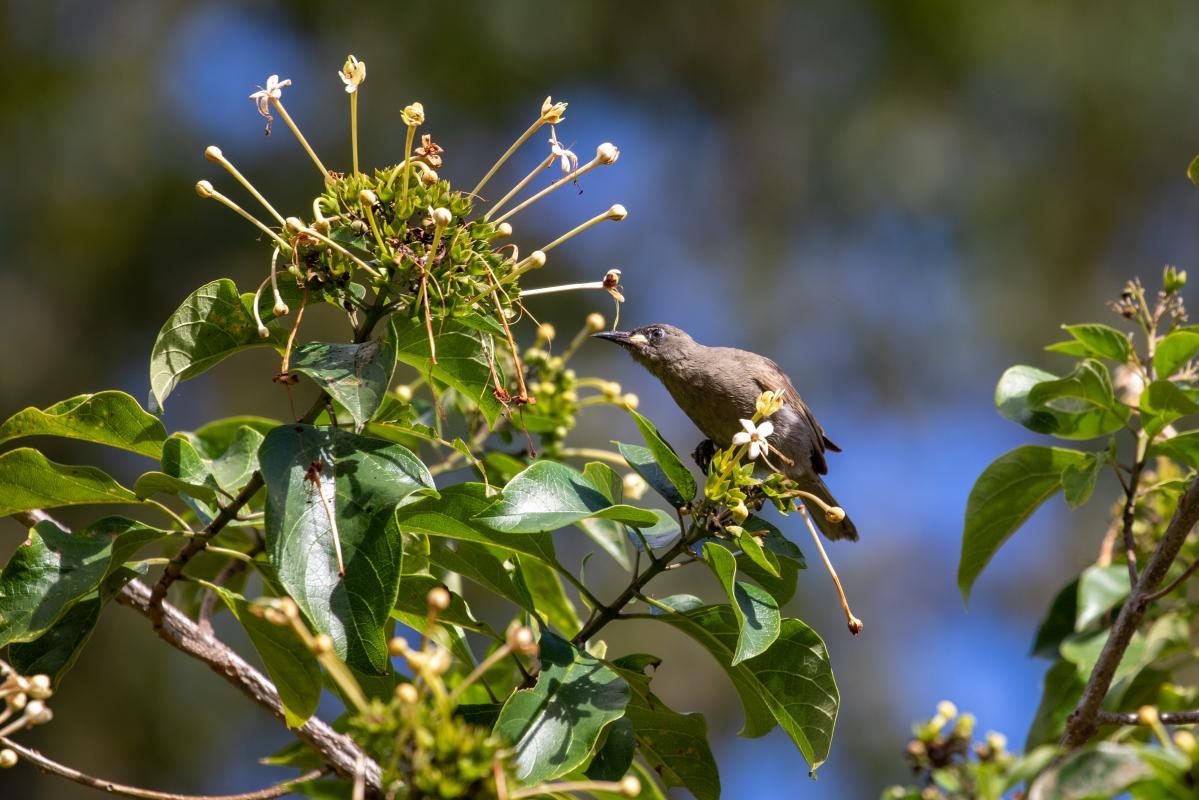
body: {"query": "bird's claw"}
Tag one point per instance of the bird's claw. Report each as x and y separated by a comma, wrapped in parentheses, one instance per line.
(703, 453)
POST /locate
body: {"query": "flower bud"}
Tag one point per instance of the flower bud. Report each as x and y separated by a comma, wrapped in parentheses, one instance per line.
(503, 230)
(965, 726)
(631, 401)
(204, 189)
(837, 514)
(295, 224)
(438, 599)
(322, 644)
(404, 392)
(630, 786)
(634, 486)
(397, 646)
(740, 512)
(536, 259)
(8, 759)
(428, 177)
(440, 661)
(546, 331)
(407, 693)
(441, 216)
(570, 396)
(1147, 715)
(996, 741)
(945, 708)
(520, 640)
(617, 212)
(607, 153)
(368, 198)
(595, 321)
(612, 391)
(37, 713)
(280, 310)
(413, 115)
(39, 687)
(214, 154)
(17, 701)
(1184, 740)
(551, 112)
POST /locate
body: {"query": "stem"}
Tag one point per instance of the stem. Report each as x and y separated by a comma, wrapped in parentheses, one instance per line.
(407, 169)
(294, 129)
(48, 765)
(594, 452)
(524, 137)
(178, 520)
(354, 127)
(1130, 507)
(855, 624)
(568, 287)
(1083, 723)
(525, 182)
(1131, 718)
(583, 170)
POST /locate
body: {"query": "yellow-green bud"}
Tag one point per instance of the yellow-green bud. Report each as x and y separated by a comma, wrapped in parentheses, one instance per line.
(442, 217)
(546, 331)
(740, 512)
(503, 230)
(413, 115)
(837, 514)
(634, 486)
(996, 741)
(1184, 740)
(551, 112)
(1147, 715)
(631, 401)
(214, 154)
(397, 646)
(630, 786)
(8, 758)
(322, 644)
(205, 189)
(595, 321)
(965, 725)
(368, 198)
(438, 599)
(945, 708)
(407, 693)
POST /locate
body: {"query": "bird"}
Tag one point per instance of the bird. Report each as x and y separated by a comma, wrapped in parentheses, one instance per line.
(717, 387)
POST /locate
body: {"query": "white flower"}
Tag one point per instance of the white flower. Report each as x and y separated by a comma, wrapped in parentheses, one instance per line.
(755, 437)
(566, 158)
(352, 74)
(272, 91)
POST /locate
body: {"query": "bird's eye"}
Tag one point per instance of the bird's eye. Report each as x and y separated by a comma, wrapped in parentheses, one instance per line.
(655, 333)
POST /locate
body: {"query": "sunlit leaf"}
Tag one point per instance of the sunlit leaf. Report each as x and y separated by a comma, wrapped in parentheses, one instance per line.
(111, 418)
(28, 480)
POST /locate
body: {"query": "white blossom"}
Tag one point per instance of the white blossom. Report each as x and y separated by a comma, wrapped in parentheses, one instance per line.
(755, 436)
(272, 91)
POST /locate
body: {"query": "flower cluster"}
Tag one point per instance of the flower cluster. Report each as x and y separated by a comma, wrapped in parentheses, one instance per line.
(939, 754)
(24, 705)
(400, 239)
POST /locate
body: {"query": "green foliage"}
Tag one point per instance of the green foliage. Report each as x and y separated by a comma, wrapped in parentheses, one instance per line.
(327, 540)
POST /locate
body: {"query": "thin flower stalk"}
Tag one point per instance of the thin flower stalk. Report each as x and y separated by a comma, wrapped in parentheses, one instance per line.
(616, 213)
(855, 624)
(516, 189)
(524, 137)
(214, 154)
(206, 190)
(296, 224)
(605, 154)
(278, 104)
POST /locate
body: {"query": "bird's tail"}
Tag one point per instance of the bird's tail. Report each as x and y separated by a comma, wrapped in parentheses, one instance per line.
(845, 529)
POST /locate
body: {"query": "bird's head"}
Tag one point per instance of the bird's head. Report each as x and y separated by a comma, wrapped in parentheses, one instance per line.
(655, 346)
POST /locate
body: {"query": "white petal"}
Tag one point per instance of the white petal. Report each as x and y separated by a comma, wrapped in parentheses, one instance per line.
(766, 429)
(754, 450)
(740, 438)
(748, 426)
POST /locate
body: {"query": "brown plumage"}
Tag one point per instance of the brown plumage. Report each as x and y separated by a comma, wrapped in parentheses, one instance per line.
(717, 387)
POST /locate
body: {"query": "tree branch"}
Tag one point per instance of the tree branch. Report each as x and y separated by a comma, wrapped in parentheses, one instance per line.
(1084, 721)
(1130, 718)
(49, 765)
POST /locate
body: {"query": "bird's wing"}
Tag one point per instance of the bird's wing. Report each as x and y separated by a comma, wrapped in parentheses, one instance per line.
(771, 375)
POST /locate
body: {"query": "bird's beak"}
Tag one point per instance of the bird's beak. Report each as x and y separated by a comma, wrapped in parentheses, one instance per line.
(622, 338)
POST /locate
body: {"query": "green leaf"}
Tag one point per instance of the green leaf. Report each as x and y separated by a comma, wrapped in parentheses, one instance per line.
(461, 360)
(1011, 398)
(53, 569)
(676, 746)
(791, 683)
(213, 323)
(233, 468)
(1175, 350)
(615, 753)
(152, 483)
(477, 563)
(451, 516)
(1193, 171)
(362, 479)
(554, 726)
(1099, 341)
(1083, 403)
(545, 587)
(1078, 480)
(611, 538)
(1100, 589)
(1183, 448)
(54, 652)
(290, 663)
(412, 606)
(643, 463)
(1103, 770)
(1162, 402)
(214, 438)
(1061, 689)
(752, 549)
(605, 480)
(355, 375)
(1058, 623)
(111, 418)
(28, 480)
(757, 612)
(676, 472)
(1009, 490)
(547, 496)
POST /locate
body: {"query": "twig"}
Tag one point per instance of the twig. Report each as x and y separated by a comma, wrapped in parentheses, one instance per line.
(208, 604)
(1083, 722)
(49, 765)
(1130, 507)
(1131, 718)
(1174, 584)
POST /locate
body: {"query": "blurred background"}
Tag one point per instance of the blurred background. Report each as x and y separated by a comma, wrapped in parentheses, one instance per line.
(894, 200)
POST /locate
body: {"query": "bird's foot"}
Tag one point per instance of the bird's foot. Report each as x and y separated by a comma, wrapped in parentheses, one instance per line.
(703, 454)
